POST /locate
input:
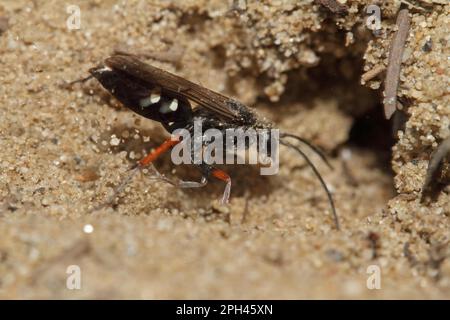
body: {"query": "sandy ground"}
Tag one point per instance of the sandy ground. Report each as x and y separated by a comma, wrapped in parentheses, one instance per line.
(297, 64)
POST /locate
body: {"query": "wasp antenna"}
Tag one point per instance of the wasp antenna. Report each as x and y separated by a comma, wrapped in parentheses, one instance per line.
(316, 172)
(309, 144)
(79, 81)
(121, 52)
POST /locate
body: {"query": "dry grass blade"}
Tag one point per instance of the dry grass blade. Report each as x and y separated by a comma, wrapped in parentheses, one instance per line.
(434, 166)
(395, 61)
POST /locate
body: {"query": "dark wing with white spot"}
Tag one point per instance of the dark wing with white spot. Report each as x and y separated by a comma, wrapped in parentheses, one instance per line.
(213, 101)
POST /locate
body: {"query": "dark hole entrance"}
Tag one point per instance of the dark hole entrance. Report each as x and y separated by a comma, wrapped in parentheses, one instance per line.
(371, 131)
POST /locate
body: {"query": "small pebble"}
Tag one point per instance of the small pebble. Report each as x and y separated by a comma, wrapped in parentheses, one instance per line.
(114, 141)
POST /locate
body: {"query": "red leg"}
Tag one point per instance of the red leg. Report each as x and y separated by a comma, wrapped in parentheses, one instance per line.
(166, 145)
(222, 175)
(152, 156)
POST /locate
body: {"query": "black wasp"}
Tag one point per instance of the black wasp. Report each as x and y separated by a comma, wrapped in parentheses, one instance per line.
(164, 97)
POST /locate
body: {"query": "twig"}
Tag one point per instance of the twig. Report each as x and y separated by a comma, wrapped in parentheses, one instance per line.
(333, 6)
(410, 5)
(395, 60)
(372, 73)
(434, 166)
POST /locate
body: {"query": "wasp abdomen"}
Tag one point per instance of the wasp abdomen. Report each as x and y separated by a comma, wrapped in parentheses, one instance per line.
(145, 99)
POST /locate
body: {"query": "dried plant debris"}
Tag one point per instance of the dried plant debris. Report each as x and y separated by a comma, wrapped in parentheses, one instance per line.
(437, 169)
(422, 6)
(372, 73)
(395, 61)
(334, 6)
(4, 24)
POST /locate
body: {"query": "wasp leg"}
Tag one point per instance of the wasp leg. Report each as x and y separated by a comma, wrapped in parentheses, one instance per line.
(435, 167)
(207, 171)
(165, 146)
(184, 184)
(193, 184)
(147, 161)
(118, 189)
(222, 175)
(181, 183)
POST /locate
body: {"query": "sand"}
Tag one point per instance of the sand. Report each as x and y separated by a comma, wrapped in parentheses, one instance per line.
(299, 65)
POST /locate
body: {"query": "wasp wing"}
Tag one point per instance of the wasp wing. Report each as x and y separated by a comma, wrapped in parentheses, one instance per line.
(213, 101)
